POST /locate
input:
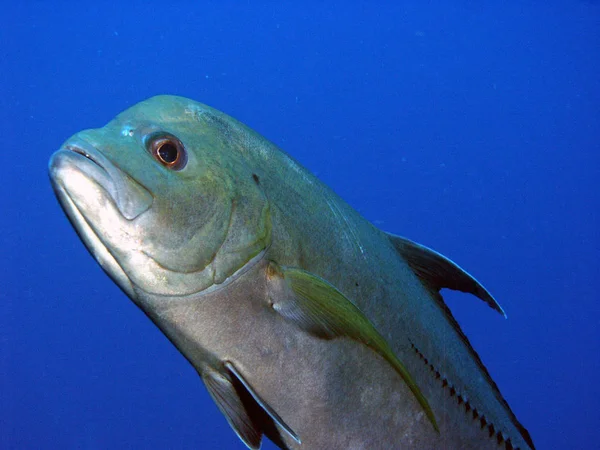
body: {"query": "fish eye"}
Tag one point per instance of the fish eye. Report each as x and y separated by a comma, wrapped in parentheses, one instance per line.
(167, 150)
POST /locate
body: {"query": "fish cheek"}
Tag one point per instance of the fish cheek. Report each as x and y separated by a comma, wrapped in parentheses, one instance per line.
(187, 226)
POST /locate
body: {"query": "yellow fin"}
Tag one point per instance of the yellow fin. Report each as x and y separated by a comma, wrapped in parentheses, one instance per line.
(319, 308)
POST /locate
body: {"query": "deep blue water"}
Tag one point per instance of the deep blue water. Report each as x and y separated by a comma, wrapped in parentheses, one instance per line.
(469, 126)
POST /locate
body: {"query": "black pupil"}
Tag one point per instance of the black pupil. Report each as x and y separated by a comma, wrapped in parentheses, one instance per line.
(168, 153)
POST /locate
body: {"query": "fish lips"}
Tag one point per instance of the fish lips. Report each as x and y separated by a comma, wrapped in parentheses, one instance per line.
(99, 199)
(129, 196)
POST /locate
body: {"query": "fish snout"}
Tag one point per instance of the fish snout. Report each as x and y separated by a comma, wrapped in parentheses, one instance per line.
(129, 196)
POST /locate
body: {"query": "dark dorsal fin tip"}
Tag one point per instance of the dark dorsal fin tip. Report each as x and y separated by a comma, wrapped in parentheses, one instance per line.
(438, 272)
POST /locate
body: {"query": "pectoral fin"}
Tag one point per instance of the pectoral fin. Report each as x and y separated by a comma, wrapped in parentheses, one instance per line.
(437, 272)
(320, 309)
(249, 416)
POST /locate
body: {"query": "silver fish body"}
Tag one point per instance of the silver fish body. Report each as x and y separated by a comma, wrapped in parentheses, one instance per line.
(306, 323)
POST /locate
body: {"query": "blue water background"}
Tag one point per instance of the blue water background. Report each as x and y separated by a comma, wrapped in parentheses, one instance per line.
(469, 126)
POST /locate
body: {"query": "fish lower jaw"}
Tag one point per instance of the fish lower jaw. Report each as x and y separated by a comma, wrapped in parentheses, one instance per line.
(92, 242)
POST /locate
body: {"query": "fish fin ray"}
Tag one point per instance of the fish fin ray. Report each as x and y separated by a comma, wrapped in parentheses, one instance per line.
(320, 309)
(264, 405)
(230, 401)
(437, 271)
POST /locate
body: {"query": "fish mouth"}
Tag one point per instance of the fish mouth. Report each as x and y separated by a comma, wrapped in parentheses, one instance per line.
(87, 160)
(83, 153)
(82, 184)
(130, 197)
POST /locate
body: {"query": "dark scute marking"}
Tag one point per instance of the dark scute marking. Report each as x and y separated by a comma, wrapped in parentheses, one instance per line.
(500, 437)
(440, 301)
(508, 445)
(356, 284)
(483, 421)
(256, 179)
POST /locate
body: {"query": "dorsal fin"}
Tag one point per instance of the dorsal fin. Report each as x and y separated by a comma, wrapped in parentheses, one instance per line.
(437, 272)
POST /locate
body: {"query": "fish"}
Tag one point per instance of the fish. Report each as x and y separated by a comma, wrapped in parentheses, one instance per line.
(308, 325)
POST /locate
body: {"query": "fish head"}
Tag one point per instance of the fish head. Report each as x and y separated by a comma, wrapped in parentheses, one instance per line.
(163, 197)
